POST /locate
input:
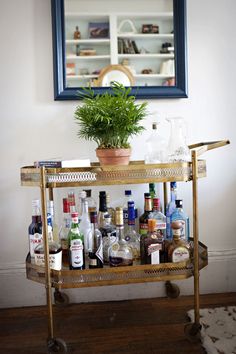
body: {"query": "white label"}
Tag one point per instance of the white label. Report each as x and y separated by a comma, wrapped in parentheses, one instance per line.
(93, 262)
(76, 250)
(99, 252)
(54, 260)
(154, 251)
(180, 254)
(34, 240)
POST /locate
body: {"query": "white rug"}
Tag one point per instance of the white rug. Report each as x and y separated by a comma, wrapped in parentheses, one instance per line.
(218, 333)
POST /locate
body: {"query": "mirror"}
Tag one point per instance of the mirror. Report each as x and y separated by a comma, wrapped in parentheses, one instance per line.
(146, 40)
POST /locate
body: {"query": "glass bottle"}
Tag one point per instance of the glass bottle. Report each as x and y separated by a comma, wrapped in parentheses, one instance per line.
(178, 249)
(82, 196)
(92, 205)
(102, 208)
(55, 254)
(35, 227)
(177, 149)
(110, 210)
(120, 254)
(152, 249)
(128, 198)
(170, 208)
(131, 236)
(50, 210)
(76, 244)
(143, 220)
(108, 231)
(71, 199)
(155, 146)
(179, 215)
(159, 217)
(64, 230)
(85, 225)
(96, 251)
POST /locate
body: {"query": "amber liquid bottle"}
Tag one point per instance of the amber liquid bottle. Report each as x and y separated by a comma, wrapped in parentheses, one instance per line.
(178, 249)
(152, 245)
(143, 220)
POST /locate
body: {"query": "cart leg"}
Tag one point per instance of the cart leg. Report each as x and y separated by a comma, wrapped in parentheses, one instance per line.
(193, 330)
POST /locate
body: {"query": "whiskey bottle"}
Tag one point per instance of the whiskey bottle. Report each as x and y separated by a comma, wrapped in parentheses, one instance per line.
(35, 228)
(55, 254)
(96, 252)
(178, 249)
(108, 231)
(143, 220)
(76, 244)
(131, 236)
(152, 245)
(120, 254)
(179, 215)
(64, 230)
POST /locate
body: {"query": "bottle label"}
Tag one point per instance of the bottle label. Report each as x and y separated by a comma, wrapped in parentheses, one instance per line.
(54, 260)
(35, 240)
(76, 250)
(180, 254)
(99, 252)
(154, 251)
(93, 262)
(143, 229)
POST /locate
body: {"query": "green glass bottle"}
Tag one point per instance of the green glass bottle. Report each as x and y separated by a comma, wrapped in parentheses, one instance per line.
(76, 244)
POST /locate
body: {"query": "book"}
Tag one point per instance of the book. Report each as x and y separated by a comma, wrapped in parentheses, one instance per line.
(62, 163)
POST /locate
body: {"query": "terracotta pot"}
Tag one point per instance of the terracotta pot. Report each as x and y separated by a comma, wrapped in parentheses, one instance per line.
(113, 156)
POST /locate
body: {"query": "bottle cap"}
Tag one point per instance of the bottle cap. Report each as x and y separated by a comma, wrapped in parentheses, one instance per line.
(75, 214)
(102, 193)
(66, 205)
(151, 224)
(176, 225)
(128, 192)
(179, 203)
(147, 195)
(154, 125)
(173, 185)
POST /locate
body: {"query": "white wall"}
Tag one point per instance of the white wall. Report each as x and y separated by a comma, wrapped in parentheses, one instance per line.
(34, 126)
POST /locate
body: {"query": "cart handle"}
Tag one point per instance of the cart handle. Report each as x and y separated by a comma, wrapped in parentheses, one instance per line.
(209, 145)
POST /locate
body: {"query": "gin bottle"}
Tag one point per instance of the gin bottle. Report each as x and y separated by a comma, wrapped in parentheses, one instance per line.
(131, 236)
(179, 215)
(76, 244)
(120, 254)
(152, 245)
(96, 253)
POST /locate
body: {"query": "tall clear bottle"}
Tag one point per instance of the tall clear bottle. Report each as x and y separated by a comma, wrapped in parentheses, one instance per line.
(108, 231)
(76, 244)
(35, 227)
(170, 209)
(120, 254)
(64, 231)
(55, 229)
(92, 205)
(180, 215)
(96, 253)
(131, 236)
(85, 226)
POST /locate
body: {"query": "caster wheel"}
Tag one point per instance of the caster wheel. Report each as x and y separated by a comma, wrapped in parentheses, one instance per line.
(172, 290)
(193, 332)
(61, 299)
(56, 345)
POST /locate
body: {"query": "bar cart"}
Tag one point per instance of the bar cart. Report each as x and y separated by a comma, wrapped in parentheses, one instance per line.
(135, 173)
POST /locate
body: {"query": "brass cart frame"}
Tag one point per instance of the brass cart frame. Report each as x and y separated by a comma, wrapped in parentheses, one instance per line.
(136, 172)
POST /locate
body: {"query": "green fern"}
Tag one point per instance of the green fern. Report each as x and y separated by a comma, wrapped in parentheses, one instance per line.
(109, 119)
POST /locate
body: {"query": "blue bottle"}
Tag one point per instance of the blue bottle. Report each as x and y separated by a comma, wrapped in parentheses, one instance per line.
(170, 208)
(179, 215)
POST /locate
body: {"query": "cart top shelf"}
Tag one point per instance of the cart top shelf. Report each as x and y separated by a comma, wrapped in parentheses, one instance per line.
(135, 173)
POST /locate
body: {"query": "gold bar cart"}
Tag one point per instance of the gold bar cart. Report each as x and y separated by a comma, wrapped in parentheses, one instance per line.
(135, 173)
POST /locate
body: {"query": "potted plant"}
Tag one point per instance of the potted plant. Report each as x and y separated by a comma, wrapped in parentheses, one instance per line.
(110, 119)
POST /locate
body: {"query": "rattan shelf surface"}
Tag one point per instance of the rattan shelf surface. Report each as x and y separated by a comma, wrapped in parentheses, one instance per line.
(136, 172)
(115, 276)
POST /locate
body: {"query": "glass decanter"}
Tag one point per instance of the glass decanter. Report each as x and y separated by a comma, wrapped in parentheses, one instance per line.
(177, 149)
(155, 146)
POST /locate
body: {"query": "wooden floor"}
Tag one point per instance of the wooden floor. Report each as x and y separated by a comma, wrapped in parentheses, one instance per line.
(153, 326)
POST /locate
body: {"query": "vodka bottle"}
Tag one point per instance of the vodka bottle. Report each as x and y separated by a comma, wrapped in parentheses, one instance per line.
(128, 198)
(76, 244)
(96, 252)
(35, 228)
(170, 208)
(179, 215)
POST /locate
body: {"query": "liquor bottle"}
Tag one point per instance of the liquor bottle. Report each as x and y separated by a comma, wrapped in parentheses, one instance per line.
(96, 252)
(71, 198)
(64, 230)
(159, 217)
(178, 249)
(143, 220)
(85, 225)
(55, 254)
(128, 198)
(179, 215)
(152, 249)
(110, 210)
(120, 254)
(155, 146)
(131, 236)
(152, 190)
(92, 205)
(76, 244)
(102, 208)
(82, 196)
(35, 228)
(108, 231)
(170, 208)
(50, 210)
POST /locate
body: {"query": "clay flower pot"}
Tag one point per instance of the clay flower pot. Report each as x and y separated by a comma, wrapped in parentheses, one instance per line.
(113, 156)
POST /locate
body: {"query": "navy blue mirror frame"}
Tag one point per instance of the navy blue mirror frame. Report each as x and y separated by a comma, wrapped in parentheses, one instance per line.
(61, 92)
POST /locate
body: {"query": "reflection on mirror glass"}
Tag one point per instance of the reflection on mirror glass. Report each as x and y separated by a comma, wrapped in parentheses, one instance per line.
(136, 34)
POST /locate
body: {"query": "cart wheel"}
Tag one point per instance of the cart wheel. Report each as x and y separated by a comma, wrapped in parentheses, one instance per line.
(172, 290)
(56, 345)
(60, 299)
(193, 331)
